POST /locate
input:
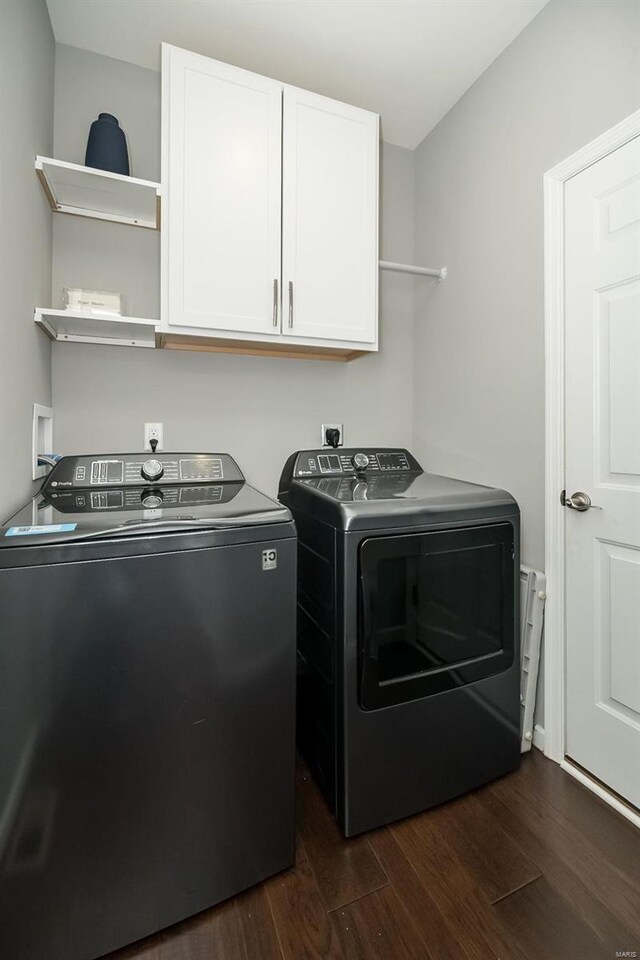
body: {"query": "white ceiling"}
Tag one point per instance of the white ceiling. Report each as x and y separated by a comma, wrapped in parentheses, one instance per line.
(408, 60)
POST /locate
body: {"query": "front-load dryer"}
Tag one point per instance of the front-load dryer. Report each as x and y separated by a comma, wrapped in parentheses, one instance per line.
(407, 639)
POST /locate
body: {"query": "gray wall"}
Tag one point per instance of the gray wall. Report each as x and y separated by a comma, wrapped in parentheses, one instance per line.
(479, 351)
(26, 118)
(260, 409)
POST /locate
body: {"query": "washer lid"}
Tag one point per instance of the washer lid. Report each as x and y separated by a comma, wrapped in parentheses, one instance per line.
(396, 500)
(115, 512)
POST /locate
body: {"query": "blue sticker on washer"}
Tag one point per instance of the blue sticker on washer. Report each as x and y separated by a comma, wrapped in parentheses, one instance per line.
(40, 528)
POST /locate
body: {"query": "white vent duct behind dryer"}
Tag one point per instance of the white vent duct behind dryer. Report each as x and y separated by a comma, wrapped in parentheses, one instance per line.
(532, 598)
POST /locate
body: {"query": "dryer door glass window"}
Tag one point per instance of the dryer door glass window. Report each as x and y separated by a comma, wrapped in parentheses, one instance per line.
(436, 611)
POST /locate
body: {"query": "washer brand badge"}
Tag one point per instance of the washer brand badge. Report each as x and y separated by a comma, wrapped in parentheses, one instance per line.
(269, 559)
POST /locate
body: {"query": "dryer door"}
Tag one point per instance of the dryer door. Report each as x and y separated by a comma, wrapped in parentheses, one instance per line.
(437, 610)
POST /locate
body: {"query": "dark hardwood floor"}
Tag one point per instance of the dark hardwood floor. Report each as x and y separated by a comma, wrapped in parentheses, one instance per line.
(531, 867)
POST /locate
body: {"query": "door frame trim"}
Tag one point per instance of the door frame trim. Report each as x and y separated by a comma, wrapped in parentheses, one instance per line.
(554, 327)
(596, 787)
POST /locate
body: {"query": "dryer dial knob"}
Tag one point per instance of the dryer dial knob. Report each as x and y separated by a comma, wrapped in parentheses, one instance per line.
(152, 470)
(359, 489)
(361, 461)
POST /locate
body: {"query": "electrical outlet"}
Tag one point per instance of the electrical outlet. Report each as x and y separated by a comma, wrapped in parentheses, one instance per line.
(153, 431)
(332, 426)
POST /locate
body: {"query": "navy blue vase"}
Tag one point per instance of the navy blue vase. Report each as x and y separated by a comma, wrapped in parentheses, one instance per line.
(107, 146)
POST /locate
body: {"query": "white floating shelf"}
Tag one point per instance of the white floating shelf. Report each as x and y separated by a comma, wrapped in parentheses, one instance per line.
(437, 274)
(87, 192)
(71, 327)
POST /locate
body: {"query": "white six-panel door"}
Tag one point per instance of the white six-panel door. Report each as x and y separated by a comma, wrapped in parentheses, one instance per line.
(329, 219)
(602, 243)
(222, 195)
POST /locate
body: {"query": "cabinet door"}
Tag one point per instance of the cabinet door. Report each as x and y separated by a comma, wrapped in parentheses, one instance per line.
(221, 185)
(329, 219)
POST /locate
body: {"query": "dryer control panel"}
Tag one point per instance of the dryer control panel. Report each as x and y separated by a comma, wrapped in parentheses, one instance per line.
(136, 469)
(369, 461)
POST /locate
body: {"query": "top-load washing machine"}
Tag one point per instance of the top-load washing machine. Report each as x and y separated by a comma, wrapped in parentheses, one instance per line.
(147, 698)
(408, 659)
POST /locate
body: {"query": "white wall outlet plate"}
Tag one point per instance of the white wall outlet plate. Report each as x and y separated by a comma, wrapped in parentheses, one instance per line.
(153, 431)
(332, 426)
(41, 439)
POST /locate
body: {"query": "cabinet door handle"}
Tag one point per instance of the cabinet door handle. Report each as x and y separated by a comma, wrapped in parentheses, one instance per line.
(290, 303)
(275, 302)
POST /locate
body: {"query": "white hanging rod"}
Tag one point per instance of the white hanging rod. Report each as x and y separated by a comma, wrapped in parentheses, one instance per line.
(409, 268)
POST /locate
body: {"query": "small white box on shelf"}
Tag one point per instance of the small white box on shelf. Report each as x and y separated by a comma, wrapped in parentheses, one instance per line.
(92, 301)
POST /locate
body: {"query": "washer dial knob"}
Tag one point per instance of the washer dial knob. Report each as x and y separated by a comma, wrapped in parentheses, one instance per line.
(361, 461)
(151, 499)
(152, 470)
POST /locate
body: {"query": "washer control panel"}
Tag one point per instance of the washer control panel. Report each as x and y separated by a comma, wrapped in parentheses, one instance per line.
(140, 497)
(135, 469)
(358, 461)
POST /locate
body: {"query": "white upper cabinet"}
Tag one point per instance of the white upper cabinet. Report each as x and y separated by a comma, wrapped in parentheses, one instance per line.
(270, 213)
(221, 183)
(329, 219)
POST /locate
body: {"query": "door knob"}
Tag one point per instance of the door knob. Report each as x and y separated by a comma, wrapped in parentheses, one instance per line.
(578, 501)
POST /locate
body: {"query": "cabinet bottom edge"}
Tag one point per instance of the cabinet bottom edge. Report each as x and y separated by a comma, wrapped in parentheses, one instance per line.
(167, 341)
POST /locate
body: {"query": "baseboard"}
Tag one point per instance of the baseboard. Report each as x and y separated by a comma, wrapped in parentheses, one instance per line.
(538, 736)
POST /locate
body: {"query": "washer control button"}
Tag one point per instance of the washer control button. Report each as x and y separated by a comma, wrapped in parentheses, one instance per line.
(152, 470)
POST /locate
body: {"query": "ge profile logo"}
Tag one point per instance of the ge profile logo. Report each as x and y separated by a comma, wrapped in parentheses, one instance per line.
(269, 559)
